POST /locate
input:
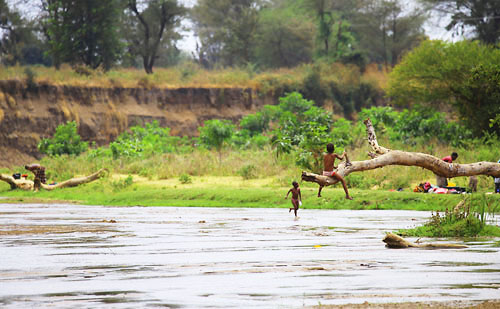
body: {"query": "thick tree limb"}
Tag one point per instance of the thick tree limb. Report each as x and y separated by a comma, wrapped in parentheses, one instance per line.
(30, 185)
(382, 157)
(396, 242)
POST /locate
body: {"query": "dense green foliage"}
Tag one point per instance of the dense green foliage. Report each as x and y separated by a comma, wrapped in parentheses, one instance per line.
(417, 125)
(144, 141)
(226, 29)
(65, 141)
(295, 128)
(83, 32)
(285, 37)
(465, 75)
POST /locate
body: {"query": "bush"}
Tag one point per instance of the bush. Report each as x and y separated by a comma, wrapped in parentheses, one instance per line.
(359, 181)
(123, 183)
(248, 171)
(145, 141)
(255, 123)
(469, 221)
(185, 179)
(30, 78)
(65, 141)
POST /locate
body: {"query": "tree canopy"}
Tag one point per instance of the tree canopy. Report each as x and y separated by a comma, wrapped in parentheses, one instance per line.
(481, 18)
(465, 75)
(83, 32)
(152, 30)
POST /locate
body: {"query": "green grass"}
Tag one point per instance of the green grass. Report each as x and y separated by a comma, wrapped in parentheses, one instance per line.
(103, 192)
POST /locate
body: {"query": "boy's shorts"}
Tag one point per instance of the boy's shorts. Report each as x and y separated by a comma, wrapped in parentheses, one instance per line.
(328, 173)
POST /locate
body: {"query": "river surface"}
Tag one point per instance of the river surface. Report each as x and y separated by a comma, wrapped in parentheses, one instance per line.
(75, 256)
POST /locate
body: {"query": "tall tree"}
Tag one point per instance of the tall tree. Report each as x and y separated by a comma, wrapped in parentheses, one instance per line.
(333, 35)
(83, 32)
(226, 29)
(285, 36)
(387, 30)
(18, 42)
(481, 17)
(153, 28)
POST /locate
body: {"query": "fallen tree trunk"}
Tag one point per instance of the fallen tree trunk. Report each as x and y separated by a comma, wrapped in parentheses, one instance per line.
(396, 242)
(30, 185)
(383, 156)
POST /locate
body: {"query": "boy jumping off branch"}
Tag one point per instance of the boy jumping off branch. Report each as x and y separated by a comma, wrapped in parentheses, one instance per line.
(329, 167)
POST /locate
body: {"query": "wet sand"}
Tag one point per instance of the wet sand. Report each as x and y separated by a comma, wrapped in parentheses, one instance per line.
(91, 256)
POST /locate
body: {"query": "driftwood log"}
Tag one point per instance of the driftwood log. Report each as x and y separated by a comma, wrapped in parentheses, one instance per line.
(382, 156)
(396, 242)
(30, 185)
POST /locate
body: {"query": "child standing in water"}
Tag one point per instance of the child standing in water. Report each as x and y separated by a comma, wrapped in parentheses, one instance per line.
(329, 166)
(296, 197)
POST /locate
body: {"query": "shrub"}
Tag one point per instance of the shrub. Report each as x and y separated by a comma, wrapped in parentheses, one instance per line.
(185, 179)
(248, 171)
(255, 123)
(122, 183)
(468, 221)
(30, 78)
(65, 141)
(145, 141)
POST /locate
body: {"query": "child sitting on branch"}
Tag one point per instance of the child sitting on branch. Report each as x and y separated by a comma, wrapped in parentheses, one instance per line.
(329, 167)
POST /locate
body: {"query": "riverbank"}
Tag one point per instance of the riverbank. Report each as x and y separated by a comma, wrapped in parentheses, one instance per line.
(121, 190)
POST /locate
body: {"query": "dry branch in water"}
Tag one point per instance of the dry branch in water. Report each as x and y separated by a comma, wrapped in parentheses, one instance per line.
(382, 156)
(396, 242)
(30, 185)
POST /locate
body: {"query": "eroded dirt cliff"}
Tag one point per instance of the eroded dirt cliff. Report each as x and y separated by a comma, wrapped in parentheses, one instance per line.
(28, 114)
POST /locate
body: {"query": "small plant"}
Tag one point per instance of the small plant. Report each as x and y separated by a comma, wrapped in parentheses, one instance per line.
(122, 183)
(82, 70)
(30, 78)
(248, 171)
(188, 70)
(145, 82)
(185, 179)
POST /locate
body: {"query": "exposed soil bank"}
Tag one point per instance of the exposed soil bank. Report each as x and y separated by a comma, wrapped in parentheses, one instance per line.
(28, 114)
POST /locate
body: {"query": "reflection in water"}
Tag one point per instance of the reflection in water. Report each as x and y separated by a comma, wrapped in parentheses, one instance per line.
(87, 256)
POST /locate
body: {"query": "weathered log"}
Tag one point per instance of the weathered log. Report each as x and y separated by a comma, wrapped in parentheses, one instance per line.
(30, 185)
(383, 157)
(396, 242)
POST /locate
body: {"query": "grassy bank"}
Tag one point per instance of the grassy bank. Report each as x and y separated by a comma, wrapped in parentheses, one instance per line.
(228, 192)
(191, 75)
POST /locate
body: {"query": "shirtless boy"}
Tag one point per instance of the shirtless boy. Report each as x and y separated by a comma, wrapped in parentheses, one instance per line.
(329, 166)
(296, 197)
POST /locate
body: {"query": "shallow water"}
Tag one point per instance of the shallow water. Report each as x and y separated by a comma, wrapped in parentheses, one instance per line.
(73, 256)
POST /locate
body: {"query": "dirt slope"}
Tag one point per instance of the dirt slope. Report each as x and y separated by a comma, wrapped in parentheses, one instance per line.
(29, 114)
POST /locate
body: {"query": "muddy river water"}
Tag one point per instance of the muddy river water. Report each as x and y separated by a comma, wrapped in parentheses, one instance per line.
(76, 256)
